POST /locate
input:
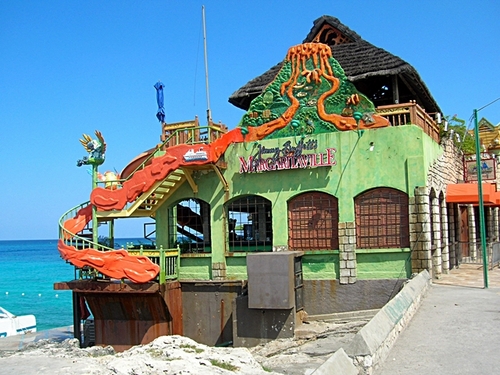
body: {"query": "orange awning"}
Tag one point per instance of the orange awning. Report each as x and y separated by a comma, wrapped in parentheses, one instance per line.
(468, 194)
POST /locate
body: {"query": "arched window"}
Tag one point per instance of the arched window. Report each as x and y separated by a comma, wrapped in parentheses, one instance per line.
(249, 224)
(189, 226)
(382, 219)
(313, 221)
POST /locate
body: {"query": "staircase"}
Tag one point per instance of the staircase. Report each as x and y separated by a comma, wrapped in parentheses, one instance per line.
(74, 229)
(147, 204)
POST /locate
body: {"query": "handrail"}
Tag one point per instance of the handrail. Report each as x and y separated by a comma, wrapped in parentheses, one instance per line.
(410, 113)
(167, 259)
(73, 239)
(174, 135)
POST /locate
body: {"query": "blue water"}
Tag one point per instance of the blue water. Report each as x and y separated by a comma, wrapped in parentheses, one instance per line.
(29, 269)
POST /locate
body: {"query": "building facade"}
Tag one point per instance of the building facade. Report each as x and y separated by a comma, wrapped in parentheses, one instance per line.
(326, 197)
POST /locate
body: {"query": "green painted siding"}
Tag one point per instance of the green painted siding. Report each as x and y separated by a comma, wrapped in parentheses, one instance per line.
(320, 266)
(236, 267)
(395, 157)
(383, 264)
(195, 268)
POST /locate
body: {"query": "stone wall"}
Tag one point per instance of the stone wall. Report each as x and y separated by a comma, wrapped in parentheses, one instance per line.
(447, 169)
(429, 214)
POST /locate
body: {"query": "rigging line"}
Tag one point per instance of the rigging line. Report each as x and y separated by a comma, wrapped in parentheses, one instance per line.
(483, 107)
(346, 164)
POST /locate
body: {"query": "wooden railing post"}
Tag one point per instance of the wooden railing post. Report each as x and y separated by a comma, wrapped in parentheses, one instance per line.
(178, 262)
(410, 113)
(162, 265)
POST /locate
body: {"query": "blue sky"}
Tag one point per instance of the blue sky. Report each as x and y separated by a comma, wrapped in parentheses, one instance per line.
(71, 67)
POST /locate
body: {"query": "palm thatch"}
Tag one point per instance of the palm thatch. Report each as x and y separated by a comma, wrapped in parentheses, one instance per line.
(382, 76)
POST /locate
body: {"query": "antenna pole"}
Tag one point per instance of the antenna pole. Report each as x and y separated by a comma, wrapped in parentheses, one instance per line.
(209, 114)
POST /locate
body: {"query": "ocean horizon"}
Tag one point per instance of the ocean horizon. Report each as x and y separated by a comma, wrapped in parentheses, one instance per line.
(29, 270)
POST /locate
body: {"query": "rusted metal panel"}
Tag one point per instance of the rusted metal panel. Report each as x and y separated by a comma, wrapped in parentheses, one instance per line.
(108, 286)
(172, 295)
(208, 306)
(122, 335)
(123, 319)
(252, 327)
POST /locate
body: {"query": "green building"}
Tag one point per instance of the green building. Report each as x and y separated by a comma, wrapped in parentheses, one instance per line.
(326, 197)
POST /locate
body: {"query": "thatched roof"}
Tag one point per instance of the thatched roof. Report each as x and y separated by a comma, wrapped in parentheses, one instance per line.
(370, 68)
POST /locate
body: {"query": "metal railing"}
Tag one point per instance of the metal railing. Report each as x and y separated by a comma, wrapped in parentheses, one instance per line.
(472, 252)
(78, 241)
(495, 255)
(167, 259)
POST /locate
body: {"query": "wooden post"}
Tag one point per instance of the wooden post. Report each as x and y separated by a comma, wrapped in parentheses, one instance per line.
(77, 332)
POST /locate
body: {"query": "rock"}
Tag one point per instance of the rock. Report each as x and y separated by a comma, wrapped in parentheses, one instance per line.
(169, 355)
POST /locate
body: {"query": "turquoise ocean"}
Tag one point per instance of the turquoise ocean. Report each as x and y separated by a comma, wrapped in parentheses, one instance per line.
(28, 271)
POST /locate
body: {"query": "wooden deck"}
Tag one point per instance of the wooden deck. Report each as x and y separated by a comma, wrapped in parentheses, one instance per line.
(410, 113)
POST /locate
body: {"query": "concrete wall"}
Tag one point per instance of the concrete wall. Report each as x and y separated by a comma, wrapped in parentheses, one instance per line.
(372, 343)
(329, 296)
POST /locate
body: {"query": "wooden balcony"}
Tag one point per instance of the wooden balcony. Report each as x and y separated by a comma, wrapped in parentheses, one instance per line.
(410, 113)
(190, 132)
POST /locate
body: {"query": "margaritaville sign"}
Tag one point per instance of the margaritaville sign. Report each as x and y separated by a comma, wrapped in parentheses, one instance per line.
(287, 157)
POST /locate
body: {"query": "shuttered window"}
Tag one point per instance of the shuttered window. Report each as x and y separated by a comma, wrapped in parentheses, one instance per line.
(382, 219)
(313, 222)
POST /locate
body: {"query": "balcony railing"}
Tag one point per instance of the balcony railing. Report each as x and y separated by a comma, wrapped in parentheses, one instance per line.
(190, 132)
(410, 113)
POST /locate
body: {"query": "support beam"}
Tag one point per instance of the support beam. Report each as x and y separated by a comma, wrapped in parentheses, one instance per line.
(221, 177)
(189, 178)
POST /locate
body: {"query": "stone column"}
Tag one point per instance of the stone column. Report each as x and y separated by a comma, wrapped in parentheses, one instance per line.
(218, 271)
(347, 253)
(452, 245)
(436, 229)
(496, 230)
(420, 230)
(445, 238)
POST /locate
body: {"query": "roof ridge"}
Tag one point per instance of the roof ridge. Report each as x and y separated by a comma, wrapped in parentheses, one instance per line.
(334, 22)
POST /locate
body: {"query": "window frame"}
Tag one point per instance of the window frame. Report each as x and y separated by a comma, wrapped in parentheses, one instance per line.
(300, 229)
(389, 209)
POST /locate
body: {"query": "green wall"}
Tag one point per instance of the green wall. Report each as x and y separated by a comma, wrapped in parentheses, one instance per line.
(396, 157)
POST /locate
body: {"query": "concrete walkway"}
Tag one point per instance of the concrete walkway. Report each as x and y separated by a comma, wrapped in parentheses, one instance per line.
(455, 330)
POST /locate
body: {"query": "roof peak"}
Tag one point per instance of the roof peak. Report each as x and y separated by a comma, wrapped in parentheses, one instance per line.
(329, 30)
